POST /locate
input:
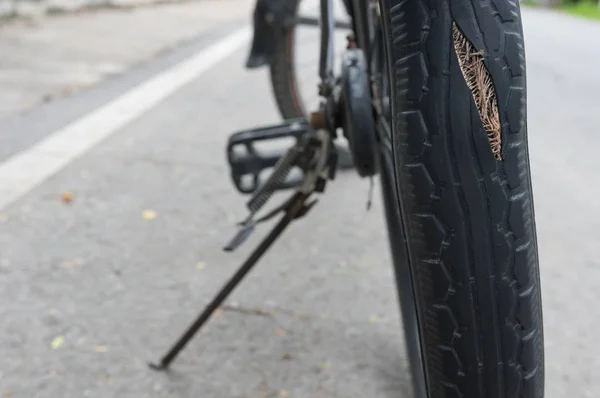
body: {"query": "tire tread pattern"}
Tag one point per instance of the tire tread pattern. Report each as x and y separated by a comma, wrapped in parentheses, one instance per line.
(469, 218)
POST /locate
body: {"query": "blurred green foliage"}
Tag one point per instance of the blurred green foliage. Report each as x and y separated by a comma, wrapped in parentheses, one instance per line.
(583, 8)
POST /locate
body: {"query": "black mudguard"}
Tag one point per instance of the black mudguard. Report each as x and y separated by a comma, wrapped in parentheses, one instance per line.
(268, 23)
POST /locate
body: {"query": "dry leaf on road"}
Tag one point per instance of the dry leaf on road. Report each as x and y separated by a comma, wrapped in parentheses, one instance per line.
(73, 262)
(286, 357)
(149, 214)
(373, 319)
(201, 265)
(284, 393)
(57, 342)
(100, 348)
(280, 332)
(67, 197)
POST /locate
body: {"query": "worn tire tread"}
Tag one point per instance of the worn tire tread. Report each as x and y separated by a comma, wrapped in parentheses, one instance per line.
(468, 217)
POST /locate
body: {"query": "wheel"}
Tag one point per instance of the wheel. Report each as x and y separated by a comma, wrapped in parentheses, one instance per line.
(458, 198)
(289, 77)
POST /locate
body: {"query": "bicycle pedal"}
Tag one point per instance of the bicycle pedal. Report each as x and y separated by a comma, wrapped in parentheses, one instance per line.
(252, 153)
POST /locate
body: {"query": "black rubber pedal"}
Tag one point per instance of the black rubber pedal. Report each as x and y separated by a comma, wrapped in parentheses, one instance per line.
(252, 153)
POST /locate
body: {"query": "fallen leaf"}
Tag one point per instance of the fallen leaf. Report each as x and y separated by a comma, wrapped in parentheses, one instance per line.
(280, 332)
(100, 348)
(284, 393)
(73, 262)
(324, 316)
(149, 214)
(246, 311)
(261, 312)
(57, 342)
(8, 393)
(217, 312)
(67, 197)
(3, 218)
(373, 319)
(325, 365)
(201, 265)
(286, 357)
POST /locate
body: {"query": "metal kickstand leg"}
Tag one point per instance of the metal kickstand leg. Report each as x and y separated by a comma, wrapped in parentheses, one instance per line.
(296, 208)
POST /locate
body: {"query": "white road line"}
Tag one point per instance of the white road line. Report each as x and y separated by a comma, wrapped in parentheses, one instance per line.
(25, 170)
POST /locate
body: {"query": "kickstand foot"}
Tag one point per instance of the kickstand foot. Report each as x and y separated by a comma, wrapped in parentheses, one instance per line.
(158, 368)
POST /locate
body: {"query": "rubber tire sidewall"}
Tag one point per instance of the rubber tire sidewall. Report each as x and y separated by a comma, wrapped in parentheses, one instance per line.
(464, 354)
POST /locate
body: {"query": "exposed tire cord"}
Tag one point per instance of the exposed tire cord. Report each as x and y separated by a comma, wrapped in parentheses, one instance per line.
(468, 216)
(480, 83)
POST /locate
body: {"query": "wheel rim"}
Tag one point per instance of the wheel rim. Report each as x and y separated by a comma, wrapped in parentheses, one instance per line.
(303, 54)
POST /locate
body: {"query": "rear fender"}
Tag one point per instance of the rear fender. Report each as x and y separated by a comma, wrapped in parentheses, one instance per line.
(268, 22)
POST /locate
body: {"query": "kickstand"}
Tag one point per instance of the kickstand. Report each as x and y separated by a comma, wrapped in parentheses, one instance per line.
(296, 208)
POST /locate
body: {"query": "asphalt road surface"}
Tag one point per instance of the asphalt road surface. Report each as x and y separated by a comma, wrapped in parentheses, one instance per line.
(93, 287)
